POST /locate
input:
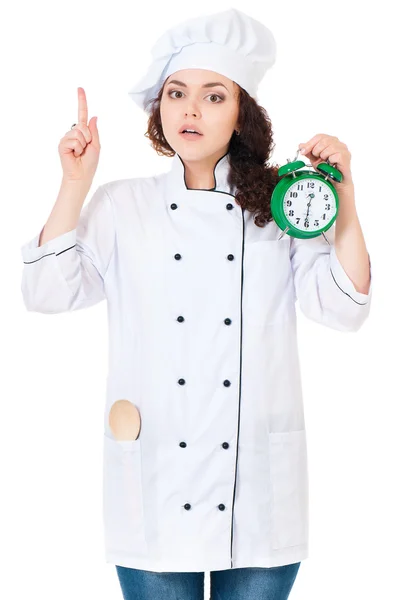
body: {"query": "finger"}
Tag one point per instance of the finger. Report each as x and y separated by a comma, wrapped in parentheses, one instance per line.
(311, 143)
(320, 147)
(82, 106)
(85, 131)
(71, 144)
(77, 147)
(76, 134)
(334, 158)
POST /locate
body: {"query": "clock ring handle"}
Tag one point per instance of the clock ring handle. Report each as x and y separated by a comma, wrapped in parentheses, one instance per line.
(300, 157)
(310, 165)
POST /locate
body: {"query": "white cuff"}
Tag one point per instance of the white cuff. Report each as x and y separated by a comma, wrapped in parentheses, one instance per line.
(32, 252)
(344, 282)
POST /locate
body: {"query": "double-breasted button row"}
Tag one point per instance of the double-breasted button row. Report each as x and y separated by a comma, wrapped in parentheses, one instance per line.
(225, 445)
(228, 206)
(178, 256)
(187, 506)
(181, 319)
(226, 382)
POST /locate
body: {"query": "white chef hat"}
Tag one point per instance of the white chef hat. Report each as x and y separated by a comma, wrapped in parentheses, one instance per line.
(230, 43)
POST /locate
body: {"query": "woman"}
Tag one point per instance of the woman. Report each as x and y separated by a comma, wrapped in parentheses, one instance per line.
(205, 462)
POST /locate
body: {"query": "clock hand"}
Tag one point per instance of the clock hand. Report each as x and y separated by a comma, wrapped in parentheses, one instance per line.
(308, 209)
(308, 204)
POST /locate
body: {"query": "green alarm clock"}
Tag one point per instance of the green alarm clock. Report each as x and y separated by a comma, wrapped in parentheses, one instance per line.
(305, 204)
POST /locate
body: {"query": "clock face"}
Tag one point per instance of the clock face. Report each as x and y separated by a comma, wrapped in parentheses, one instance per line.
(309, 204)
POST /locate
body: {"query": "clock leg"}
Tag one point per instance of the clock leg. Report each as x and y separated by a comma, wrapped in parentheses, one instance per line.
(283, 233)
(323, 233)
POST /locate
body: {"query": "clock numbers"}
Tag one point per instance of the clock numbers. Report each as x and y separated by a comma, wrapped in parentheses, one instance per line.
(307, 204)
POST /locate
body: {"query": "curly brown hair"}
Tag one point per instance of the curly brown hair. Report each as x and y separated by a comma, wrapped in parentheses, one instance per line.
(249, 152)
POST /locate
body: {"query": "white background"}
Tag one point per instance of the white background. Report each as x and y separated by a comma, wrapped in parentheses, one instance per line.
(336, 74)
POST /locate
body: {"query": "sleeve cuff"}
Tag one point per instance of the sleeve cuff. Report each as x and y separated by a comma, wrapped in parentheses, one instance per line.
(344, 282)
(32, 252)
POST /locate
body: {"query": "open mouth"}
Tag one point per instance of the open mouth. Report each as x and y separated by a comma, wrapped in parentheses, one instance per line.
(190, 134)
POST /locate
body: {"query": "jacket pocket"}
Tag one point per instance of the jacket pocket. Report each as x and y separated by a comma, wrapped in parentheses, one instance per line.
(290, 491)
(123, 512)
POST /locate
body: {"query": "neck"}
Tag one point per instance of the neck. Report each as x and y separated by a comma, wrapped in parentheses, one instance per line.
(199, 175)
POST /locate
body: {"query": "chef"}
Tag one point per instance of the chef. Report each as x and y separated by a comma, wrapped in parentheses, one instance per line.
(206, 469)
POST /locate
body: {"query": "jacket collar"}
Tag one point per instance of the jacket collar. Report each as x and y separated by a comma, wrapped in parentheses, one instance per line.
(176, 183)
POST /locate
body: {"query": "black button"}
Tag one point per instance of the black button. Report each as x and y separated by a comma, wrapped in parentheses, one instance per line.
(187, 506)
(180, 319)
(177, 256)
(181, 381)
(183, 445)
(227, 383)
(230, 257)
(229, 206)
(221, 506)
(227, 321)
(173, 206)
(225, 445)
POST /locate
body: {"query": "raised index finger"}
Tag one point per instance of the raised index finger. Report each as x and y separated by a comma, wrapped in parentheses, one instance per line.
(82, 106)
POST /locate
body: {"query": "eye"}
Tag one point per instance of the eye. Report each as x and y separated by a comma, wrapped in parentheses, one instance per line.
(217, 95)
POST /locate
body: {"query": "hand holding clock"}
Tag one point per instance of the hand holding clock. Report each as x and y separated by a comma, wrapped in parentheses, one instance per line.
(322, 147)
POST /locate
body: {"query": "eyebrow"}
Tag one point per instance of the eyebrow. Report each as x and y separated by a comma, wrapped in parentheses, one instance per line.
(205, 85)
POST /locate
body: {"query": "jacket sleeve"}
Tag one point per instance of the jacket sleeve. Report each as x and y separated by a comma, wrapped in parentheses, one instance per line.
(325, 292)
(67, 272)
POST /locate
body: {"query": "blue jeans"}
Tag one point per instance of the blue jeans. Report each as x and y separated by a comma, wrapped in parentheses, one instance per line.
(248, 583)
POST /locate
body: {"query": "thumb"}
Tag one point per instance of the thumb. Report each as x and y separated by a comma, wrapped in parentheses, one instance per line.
(92, 125)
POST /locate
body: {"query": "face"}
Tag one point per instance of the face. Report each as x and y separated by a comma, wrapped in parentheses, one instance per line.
(213, 109)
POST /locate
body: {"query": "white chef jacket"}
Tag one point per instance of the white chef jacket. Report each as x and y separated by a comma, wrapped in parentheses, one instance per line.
(202, 339)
